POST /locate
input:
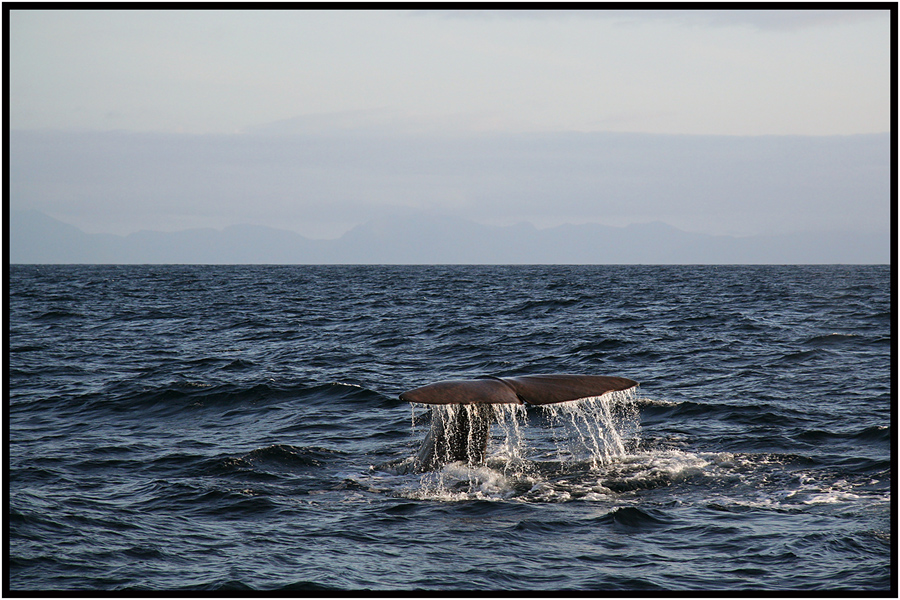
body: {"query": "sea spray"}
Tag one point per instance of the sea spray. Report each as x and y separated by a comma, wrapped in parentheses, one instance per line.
(598, 429)
(458, 433)
(508, 441)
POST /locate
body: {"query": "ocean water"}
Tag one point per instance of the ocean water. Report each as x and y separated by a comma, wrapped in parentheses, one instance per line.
(239, 427)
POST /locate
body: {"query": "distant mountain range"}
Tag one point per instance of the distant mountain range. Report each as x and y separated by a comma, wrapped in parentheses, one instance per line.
(427, 239)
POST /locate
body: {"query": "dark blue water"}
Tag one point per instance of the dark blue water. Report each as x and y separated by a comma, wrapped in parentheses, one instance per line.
(238, 427)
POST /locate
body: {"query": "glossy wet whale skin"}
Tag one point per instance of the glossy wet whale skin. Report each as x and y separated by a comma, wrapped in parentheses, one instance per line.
(533, 389)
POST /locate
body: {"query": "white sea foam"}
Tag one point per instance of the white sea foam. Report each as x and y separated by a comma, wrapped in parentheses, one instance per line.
(459, 481)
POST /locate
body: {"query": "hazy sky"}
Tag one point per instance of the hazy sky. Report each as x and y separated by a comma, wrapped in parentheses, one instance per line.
(446, 86)
(701, 72)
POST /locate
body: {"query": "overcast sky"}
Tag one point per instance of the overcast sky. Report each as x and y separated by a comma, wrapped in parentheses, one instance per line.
(427, 75)
(701, 72)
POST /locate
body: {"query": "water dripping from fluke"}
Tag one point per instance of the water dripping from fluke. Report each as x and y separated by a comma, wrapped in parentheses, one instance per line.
(595, 415)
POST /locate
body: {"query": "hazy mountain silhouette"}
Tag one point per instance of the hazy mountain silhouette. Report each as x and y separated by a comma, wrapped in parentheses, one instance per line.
(429, 239)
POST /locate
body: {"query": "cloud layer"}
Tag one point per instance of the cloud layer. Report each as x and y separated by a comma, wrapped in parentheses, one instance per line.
(321, 185)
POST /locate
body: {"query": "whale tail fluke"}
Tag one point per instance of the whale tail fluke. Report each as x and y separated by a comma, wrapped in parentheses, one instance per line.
(528, 389)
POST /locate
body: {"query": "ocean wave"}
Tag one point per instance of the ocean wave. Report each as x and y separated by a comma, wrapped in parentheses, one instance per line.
(58, 315)
(176, 398)
(291, 457)
(27, 348)
(834, 339)
(803, 357)
(632, 518)
(875, 433)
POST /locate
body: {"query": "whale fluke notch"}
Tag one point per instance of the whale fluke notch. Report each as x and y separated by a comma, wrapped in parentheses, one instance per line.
(531, 389)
